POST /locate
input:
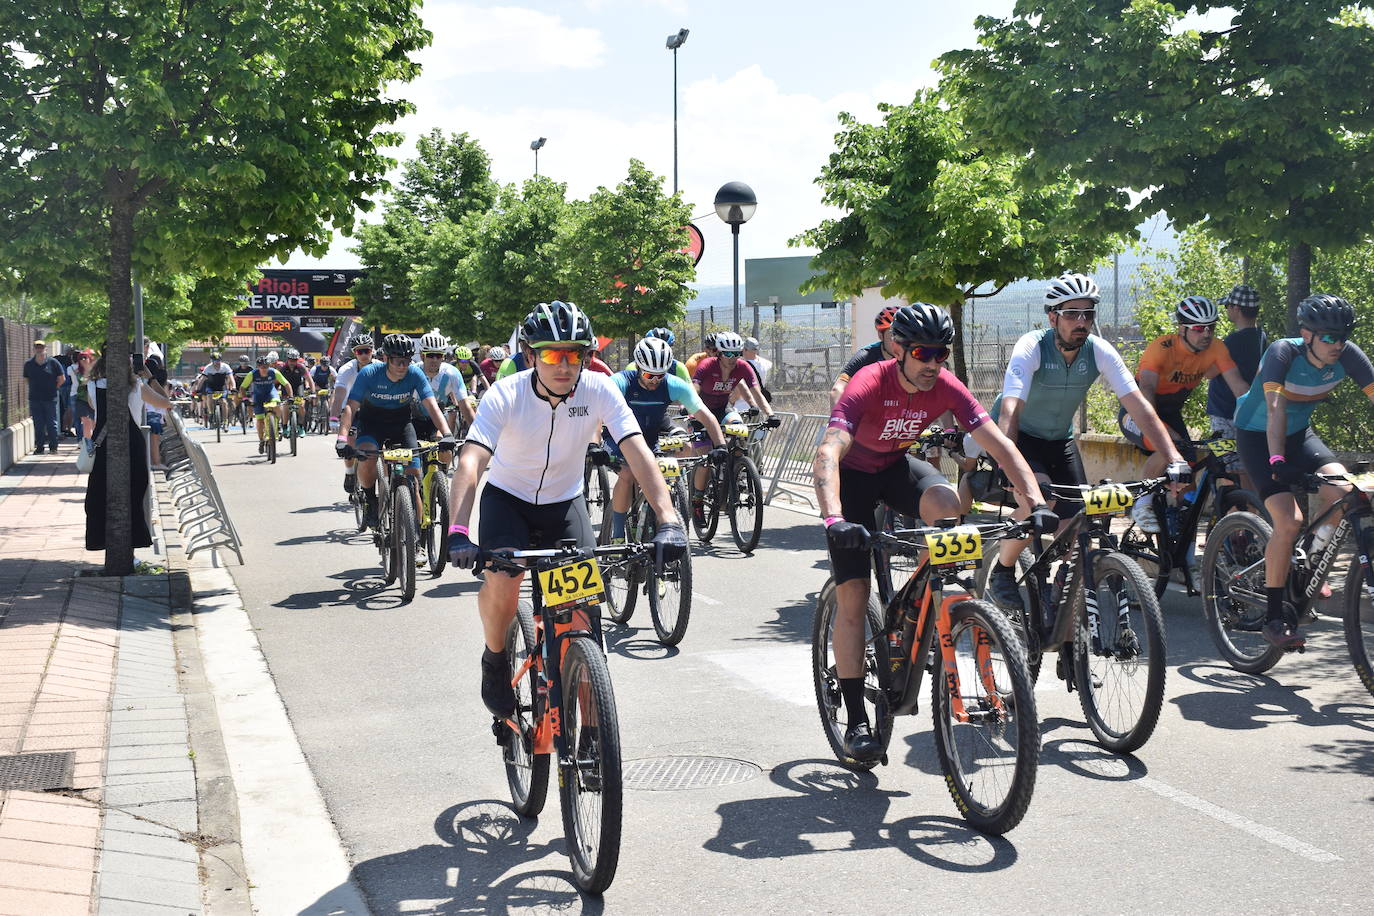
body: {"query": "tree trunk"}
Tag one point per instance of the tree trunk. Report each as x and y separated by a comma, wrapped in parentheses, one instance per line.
(1299, 281)
(119, 550)
(956, 313)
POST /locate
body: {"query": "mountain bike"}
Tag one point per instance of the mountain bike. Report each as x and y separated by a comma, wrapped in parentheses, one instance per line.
(293, 423)
(667, 588)
(1234, 598)
(397, 532)
(596, 485)
(318, 420)
(734, 487)
(1215, 494)
(218, 414)
(242, 415)
(982, 701)
(565, 707)
(1098, 611)
(271, 429)
(434, 490)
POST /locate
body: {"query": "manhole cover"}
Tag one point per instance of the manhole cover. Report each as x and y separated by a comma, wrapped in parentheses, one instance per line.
(665, 774)
(36, 772)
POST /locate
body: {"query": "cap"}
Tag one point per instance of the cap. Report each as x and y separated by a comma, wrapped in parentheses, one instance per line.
(39, 343)
(751, 343)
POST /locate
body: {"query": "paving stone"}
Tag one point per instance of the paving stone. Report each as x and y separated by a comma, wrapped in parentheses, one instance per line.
(141, 793)
(144, 889)
(118, 769)
(180, 815)
(126, 823)
(106, 906)
(147, 844)
(136, 739)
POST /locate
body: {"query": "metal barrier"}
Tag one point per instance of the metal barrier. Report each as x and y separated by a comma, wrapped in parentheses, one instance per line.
(201, 513)
(789, 453)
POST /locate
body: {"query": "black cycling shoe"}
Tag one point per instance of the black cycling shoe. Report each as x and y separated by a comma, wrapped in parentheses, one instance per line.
(497, 692)
(1283, 635)
(370, 519)
(1002, 587)
(860, 744)
(350, 482)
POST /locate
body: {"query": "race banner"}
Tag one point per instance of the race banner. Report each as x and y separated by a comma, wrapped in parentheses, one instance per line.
(297, 293)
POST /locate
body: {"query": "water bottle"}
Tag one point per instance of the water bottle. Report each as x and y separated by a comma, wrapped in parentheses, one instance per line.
(1321, 536)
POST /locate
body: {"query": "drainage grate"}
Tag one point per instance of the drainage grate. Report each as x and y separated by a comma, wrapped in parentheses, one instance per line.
(37, 772)
(666, 774)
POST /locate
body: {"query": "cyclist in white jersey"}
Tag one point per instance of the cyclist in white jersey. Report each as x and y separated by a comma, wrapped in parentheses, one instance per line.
(1046, 382)
(362, 348)
(446, 381)
(218, 376)
(531, 435)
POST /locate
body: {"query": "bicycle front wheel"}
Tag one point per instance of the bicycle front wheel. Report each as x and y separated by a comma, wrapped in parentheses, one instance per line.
(746, 504)
(834, 717)
(670, 598)
(271, 426)
(436, 551)
(1359, 623)
(1121, 688)
(403, 537)
(590, 779)
(1233, 595)
(989, 751)
(295, 431)
(597, 485)
(527, 773)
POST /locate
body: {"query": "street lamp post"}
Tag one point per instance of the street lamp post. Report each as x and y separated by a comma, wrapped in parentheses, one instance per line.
(735, 204)
(674, 42)
(537, 145)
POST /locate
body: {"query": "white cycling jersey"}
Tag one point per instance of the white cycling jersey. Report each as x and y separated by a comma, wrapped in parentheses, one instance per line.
(346, 375)
(538, 450)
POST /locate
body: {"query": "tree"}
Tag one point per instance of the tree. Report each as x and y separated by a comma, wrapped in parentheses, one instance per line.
(1261, 129)
(931, 217)
(187, 139)
(625, 256)
(512, 259)
(449, 178)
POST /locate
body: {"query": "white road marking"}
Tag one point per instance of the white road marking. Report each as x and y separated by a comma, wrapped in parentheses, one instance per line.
(781, 671)
(698, 596)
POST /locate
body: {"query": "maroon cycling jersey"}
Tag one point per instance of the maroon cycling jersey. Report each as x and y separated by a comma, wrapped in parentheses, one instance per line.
(715, 391)
(884, 418)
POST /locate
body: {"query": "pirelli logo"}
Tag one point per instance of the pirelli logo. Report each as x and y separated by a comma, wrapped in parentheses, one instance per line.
(334, 302)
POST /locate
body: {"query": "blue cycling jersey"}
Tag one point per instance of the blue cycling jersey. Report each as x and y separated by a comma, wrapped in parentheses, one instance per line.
(1286, 369)
(383, 399)
(649, 406)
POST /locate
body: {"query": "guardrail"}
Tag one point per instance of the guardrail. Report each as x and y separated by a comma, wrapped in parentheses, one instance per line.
(785, 455)
(201, 513)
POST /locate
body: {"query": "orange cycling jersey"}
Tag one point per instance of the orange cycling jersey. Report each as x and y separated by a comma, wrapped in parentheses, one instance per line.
(1180, 370)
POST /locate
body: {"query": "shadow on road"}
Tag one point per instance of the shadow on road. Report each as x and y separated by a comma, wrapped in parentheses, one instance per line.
(1248, 701)
(791, 622)
(839, 809)
(360, 588)
(629, 642)
(470, 870)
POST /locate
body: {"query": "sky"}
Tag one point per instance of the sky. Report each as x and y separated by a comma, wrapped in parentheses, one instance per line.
(759, 88)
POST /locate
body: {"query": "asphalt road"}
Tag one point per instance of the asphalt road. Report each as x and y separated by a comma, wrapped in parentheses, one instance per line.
(1255, 792)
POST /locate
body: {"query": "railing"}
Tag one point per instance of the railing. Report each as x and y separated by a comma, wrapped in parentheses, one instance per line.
(784, 456)
(201, 513)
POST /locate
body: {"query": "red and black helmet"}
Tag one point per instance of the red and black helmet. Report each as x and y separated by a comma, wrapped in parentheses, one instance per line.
(883, 320)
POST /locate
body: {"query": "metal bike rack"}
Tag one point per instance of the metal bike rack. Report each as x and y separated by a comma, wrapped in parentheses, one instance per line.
(201, 514)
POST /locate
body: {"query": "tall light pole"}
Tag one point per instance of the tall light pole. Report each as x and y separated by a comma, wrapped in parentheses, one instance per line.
(735, 204)
(537, 145)
(674, 42)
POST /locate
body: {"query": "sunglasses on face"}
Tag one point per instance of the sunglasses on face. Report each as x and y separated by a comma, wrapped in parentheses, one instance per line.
(1198, 328)
(1332, 338)
(1078, 314)
(652, 376)
(552, 357)
(362, 351)
(929, 354)
(730, 354)
(399, 360)
(433, 355)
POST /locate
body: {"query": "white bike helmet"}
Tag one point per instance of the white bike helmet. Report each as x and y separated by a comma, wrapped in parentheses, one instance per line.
(434, 342)
(729, 341)
(654, 355)
(272, 356)
(496, 353)
(1068, 287)
(1196, 310)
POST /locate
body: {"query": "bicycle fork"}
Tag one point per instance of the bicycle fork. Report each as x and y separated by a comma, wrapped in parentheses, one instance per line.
(982, 654)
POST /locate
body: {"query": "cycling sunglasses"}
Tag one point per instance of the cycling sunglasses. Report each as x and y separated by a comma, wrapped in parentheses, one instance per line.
(651, 376)
(731, 354)
(399, 359)
(929, 354)
(1198, 328)
(362, 349)
(1078, 314)
(432, 355)
(1332, 338)
(551, 357)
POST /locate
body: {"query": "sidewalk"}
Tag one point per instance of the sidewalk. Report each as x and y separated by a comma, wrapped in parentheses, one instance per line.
(106, 820)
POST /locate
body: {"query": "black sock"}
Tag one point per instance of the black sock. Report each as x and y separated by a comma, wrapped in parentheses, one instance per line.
(1275, 596)
(852, 689)
(493, 658)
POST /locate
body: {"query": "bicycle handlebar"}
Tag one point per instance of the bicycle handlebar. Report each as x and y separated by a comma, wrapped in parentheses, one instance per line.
(1075, 491)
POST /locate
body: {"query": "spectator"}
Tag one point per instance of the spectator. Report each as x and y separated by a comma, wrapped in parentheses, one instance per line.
(45, 377)
(83, 411)
(762, 366)
(157, 381)
(64, 396)
(96, 494)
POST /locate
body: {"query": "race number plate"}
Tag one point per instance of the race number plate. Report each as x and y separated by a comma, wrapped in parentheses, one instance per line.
(962, 546)
(668, 467)
(739, 432)
(572, 583)
(671, 443)
(1364, 481)
(396, 454)
(1108, 500)
(1222, 446)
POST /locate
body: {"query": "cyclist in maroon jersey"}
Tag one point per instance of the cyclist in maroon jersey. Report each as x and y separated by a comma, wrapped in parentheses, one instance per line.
(863, 459)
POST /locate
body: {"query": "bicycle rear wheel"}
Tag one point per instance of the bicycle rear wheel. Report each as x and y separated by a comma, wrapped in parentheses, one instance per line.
(436, 534)
(597, 490)
(527, 773)
(1234, 605)
(670, 598)
(589, 782)
(1359, 623)
(403, 537)
(710, 507)
(1122, 690)
(834, 716)
(745, 503)
(990, 755)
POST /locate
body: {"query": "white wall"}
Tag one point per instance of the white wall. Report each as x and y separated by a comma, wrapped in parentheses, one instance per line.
(864, 309)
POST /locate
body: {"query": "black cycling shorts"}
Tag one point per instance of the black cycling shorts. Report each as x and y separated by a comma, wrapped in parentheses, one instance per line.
(1304, 450)
(1057, 459)
(901, 486)
(1172, 417)
(508, 521)
(382, 435)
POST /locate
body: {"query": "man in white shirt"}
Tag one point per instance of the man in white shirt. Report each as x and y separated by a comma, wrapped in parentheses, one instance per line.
(761, 366)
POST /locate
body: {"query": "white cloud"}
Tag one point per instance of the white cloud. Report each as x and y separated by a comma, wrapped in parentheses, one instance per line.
(469, 39)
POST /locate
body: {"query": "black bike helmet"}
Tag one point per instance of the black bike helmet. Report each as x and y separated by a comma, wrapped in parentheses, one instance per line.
(557, 322)
(361, 340)
(664, 334)
(1325, 313)
(398, 345)
(923, 324)
(709, 341)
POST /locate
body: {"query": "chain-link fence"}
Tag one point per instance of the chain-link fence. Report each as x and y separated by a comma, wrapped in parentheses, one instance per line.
(16, 347)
